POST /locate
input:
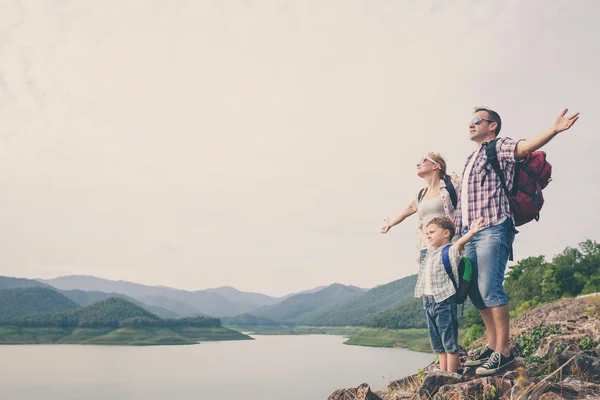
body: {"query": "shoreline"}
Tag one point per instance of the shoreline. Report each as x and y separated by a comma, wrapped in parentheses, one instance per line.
(411, 339)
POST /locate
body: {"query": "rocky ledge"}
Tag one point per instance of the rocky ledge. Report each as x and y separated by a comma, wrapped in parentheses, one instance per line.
(558, 348)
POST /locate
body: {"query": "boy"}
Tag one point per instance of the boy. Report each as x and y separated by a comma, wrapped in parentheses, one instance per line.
(437, 290)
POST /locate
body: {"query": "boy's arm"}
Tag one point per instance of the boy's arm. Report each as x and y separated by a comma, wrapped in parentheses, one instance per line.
(476, 226)
(561, 124)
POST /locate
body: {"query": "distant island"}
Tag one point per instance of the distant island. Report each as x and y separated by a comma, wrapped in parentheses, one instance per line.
(41, 315)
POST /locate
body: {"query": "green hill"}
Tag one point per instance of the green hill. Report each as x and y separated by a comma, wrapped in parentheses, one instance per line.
(403, 316)
(22, 302)
(107, 313)
(85, 298)
(7, 282)
(361, 308)
(113, 321)
(294, 308)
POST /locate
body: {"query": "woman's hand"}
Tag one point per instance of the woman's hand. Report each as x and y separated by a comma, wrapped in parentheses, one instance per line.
(386, 228)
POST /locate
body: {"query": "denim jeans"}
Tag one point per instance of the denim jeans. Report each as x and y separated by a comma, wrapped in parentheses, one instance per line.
(442, 322)
(488, 252)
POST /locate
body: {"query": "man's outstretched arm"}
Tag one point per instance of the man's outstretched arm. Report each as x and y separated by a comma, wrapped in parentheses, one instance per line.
(562, 123)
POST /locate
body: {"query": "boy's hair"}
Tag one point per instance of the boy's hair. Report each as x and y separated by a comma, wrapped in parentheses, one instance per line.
(443, 223)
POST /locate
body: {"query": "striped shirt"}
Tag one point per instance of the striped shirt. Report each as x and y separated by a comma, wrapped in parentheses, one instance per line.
(432, 269)
(486, 198)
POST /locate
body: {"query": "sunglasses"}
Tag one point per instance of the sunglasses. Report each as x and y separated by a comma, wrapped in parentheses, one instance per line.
(427, 159)
(477, 121)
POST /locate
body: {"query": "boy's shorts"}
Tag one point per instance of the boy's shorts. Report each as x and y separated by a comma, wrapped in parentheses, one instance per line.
(442, 322)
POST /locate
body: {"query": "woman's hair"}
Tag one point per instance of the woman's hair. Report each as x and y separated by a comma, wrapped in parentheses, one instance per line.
(441, 162)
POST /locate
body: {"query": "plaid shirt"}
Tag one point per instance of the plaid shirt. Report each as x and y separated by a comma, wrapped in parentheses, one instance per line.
(486, 196)
(432, 266)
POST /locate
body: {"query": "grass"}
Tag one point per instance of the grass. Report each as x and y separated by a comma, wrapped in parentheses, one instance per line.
(139, 337)
(311, 330)
(211, 334)
(23, 335)
(130, 336)
(413, 339)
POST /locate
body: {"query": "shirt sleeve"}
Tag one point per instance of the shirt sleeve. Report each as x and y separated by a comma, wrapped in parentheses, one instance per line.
(505, 147)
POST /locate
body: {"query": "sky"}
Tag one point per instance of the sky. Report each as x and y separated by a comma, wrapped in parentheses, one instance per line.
(260, 144)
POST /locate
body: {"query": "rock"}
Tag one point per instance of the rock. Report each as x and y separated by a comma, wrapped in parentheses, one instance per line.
(483, 388)
(435, 380)
(549, 344)
(550, 396)
(409, 383)
(569, 389)
(582, 366)
(400, 395)
(362, 392)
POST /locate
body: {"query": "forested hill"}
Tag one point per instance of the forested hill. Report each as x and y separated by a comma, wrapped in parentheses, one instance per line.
(360, 309)
(21, 302)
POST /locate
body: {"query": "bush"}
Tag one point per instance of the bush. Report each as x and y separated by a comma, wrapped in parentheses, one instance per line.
(474, 332)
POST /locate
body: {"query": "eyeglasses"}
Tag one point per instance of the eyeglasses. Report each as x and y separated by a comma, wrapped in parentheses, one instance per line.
(427, 159)
(477, 121)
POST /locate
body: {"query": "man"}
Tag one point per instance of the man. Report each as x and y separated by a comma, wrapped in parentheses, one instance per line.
(483, 196)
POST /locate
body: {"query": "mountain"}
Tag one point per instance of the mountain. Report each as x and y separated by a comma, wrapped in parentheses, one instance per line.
(359, 309)
(202, 302)
(287, 296)
(248, 320)
(249, 298)
(107, 313)
(111, 310)
(7, 282)
(21, 302)
(81, 297)
(294, 308)
(168, 303)
(84, 298)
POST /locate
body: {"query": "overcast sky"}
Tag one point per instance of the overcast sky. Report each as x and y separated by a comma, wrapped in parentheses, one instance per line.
(260, 144)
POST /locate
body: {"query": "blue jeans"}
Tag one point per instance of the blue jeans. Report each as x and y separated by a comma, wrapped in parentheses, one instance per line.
(488, 252)
(442, 322)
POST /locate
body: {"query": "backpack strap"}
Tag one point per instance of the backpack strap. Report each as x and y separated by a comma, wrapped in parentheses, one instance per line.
(491, 153)
(447, 265)
(420, 195)
(451, 191)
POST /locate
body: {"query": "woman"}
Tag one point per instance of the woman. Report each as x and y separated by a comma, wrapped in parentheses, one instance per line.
(437, 199)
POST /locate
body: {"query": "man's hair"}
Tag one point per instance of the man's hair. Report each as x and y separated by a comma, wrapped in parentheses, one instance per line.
(443, 223)
(493, 116)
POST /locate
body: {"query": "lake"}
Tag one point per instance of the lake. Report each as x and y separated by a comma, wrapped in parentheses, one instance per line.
(270, 367)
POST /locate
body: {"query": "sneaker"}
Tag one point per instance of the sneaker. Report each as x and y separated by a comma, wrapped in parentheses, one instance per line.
(483, 356)
(496, 363)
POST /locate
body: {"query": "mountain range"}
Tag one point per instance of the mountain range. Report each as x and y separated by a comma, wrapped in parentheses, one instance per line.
(333, 305)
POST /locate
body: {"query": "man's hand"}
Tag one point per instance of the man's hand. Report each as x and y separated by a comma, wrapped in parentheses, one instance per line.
(563, 123)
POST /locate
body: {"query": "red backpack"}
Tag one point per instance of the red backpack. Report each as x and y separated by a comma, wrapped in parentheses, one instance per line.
(532, 175)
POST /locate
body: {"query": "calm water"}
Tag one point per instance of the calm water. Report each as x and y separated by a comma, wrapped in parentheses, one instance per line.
(270, 367)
